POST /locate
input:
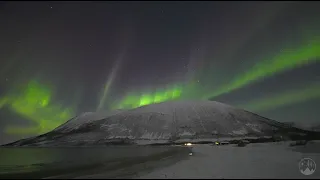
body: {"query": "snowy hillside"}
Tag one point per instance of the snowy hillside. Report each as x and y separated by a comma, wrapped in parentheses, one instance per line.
(301, 125)
(85, 118)
(159, 123)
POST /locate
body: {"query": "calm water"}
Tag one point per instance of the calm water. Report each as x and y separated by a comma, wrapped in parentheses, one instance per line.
(46, 162)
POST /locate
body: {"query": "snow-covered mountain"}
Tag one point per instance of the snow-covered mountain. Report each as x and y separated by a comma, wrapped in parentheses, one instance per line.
(300, 125)
(163, 122)
(85, 118)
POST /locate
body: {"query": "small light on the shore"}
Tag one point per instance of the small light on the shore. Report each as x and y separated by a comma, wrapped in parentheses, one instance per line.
(188, 144)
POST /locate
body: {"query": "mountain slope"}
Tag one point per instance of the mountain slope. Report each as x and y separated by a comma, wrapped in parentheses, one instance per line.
(162, 122)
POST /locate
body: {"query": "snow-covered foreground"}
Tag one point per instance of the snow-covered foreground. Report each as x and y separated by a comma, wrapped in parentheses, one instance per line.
(270, 160)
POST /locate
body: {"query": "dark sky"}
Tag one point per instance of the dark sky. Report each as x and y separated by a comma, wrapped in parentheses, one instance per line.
(241, 53)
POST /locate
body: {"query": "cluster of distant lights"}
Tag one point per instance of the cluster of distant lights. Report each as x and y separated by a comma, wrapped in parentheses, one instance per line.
(190, 144)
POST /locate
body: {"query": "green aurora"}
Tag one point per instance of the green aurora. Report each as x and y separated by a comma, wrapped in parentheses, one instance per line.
(133, 101)
(282, 99)
(35, 102)
(286, 60)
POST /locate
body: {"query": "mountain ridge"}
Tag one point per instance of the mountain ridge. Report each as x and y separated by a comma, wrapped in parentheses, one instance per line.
(164, 122)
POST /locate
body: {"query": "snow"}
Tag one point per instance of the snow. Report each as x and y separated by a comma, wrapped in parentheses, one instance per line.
(172, 120)
(171, 106)
(84, 118)
(240, 132)
(270, 160)
(187, 118)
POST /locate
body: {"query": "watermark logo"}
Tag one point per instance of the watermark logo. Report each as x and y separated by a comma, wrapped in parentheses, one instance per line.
(307, 166)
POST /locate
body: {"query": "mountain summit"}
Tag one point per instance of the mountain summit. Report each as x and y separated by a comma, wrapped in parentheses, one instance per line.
(165, 122)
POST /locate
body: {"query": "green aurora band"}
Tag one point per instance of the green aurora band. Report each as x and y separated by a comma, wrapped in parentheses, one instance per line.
(35, 102)
(282, 99)
(134, 101)
(286, 60)
(35, 105)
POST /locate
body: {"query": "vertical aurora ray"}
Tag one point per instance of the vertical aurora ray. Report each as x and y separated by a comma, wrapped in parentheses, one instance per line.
(123, 42)
(109, 82)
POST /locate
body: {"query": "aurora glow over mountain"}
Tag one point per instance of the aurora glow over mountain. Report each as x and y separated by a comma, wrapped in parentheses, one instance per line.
(260, 56)
(34, 104)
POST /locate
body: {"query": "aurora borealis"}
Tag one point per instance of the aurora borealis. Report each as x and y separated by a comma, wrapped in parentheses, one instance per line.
(34, 104)
(285, 60)
(133, 101)
(59, 59)
(284, 98)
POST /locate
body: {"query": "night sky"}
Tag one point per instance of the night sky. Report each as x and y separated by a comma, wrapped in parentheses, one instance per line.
(59, 59)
